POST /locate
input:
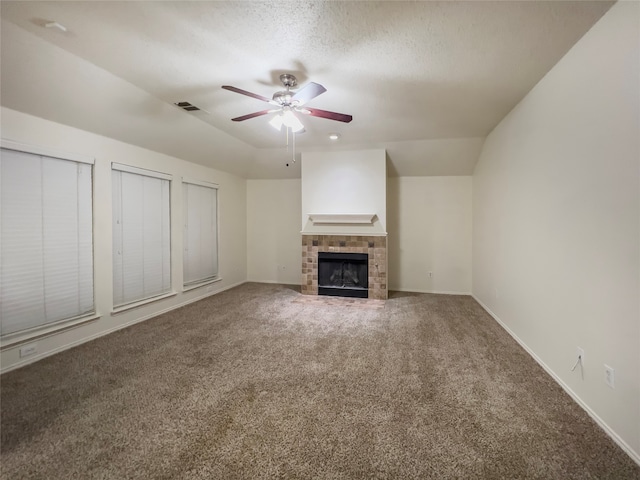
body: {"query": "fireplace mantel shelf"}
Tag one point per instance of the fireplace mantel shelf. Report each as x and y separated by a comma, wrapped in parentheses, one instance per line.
(342, 218)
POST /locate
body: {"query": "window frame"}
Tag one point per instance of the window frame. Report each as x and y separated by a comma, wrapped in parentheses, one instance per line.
(115, 166)
(217, 278)
(52, 328)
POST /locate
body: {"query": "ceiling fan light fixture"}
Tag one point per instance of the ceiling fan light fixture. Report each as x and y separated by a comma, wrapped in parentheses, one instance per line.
(276, 122)
(291, 121)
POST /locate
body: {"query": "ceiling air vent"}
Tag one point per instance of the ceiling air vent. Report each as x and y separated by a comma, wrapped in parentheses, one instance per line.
(187, 106)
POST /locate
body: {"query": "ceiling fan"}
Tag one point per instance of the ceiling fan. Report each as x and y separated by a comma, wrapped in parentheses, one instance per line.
(289, 103)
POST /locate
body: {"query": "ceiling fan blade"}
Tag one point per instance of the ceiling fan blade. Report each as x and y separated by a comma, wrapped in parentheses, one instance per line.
(308, 92)
(340, 117)
(253, 115)
(248, 94)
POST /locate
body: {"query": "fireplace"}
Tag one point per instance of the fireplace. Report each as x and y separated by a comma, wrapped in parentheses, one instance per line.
(374, 248)
(343, 274)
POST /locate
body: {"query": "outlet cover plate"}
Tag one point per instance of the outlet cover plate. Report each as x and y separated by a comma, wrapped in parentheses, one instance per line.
(28, 350)
(609, 376)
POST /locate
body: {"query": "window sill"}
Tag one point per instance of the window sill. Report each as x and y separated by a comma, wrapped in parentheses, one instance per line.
(146, 301)
(188, 288)
(18, 338)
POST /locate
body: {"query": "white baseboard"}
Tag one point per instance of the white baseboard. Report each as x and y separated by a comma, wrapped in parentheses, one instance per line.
(407, 290)
(635, 456)
(274, 282)
(437, 292)
(255, 280)
(48, 353)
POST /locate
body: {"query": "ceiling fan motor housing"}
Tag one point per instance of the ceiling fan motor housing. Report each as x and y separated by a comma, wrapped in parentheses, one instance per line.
(288, 80)
(283, 97)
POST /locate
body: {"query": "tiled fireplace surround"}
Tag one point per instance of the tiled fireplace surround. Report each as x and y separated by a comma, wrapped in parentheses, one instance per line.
(374, 246)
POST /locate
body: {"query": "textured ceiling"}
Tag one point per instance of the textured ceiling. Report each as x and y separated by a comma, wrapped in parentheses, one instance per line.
(418, 77)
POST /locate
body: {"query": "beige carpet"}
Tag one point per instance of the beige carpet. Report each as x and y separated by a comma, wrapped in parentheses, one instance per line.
(253, 383)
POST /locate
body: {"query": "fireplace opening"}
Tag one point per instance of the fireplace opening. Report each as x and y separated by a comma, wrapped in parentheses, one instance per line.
(343, 274)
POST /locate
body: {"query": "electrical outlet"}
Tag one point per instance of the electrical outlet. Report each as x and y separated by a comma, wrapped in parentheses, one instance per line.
(28, 350)
(609, 376)
(580, 354)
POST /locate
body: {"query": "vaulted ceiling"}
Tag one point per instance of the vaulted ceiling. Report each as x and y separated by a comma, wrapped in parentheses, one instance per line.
(425, 80)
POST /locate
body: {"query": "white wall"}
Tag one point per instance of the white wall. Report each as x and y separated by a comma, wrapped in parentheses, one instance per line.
(273, 231)
(429, 223)
(31, 130)
(345, 182)
(556, 208)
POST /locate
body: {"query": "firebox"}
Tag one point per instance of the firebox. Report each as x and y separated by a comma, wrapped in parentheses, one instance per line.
(343, 274)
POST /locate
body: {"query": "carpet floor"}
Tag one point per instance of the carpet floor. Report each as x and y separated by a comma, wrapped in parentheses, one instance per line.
(254, 383)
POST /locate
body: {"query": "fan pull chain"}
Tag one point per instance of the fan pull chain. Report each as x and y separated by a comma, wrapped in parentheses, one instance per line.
(294, 147)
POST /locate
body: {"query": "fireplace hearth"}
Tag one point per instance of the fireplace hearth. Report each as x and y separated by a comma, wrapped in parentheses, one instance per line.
(343, 274)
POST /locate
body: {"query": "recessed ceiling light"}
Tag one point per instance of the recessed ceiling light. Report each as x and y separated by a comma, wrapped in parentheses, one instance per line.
(56, 25)
(334, 136)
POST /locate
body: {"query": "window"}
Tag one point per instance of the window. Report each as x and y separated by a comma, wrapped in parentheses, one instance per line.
(141, 235)
(46, 252)
(200, 203)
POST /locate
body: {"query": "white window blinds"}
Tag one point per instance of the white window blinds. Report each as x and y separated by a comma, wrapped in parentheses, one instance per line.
(141, 235)
(200, 215)
(46, 252)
